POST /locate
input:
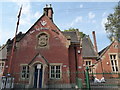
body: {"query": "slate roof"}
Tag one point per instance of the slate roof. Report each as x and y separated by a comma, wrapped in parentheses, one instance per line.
(18, 37)
(88, 48)
(3, 52)
(72, 35)
(102, 50)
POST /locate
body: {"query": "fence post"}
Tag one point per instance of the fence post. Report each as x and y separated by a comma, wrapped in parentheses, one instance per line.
(87, 78)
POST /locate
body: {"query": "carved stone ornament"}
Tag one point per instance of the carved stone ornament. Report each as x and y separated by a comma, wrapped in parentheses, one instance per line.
(43, 23)
(42, 40)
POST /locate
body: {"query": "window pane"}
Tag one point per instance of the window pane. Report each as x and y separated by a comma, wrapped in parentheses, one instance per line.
(115, 62)
(55, 72)
(52, 75)
(89, 62)
(113, 68)
(25, 72)
(110, 56)
(27, 76)
(112, 62)
(23, 75)
(114, 56)
(52, 67)
(52, 71)
(116, 68)
(2, 64)
(57, 75)
(57, 67)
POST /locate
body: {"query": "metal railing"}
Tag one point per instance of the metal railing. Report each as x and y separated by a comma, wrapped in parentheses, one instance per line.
(90, 81)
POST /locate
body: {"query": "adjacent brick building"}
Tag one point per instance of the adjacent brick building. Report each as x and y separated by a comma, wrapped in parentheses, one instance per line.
(3, 58)
(109, 61)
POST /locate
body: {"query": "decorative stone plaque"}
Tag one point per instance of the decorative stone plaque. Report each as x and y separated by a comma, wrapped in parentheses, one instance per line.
(42, 40)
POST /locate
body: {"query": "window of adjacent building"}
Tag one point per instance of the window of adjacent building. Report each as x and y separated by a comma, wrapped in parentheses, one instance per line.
(25, 72)
(115, 46)
(2, 65)
(55, 72)
(114, 63)
(89, 63)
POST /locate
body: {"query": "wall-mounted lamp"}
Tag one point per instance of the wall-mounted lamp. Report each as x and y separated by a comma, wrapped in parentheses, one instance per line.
(78, 51)
(107, 63)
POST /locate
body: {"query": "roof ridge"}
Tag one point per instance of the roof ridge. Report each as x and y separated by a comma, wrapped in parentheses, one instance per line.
(106, 49)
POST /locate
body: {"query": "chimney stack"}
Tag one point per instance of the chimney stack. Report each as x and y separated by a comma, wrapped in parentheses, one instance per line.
(48, 11)
(95, 43)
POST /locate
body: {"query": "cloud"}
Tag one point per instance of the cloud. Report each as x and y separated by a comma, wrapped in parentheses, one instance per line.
(81, 6)
(26, 13)
(104, 20)
(91, 15)
(37, 14)
(0, 35)
(76, 20)
(104, 14)
(5, 35)
(93, 21)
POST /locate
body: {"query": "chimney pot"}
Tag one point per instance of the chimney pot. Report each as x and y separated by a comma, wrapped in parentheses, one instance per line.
(48, 11)
(50, 5)
(46, 5)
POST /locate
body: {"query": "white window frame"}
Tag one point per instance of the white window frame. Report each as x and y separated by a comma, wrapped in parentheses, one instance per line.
(50, 74)
(90, 68)
(2, 64)
(27, 70)
(114, 66)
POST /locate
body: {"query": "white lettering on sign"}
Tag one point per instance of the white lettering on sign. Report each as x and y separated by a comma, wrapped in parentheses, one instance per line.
(38, 29)
(32, 31)
(39, 66)
(41, 28)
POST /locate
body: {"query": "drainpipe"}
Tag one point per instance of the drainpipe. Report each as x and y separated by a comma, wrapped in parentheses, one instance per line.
(76, 63)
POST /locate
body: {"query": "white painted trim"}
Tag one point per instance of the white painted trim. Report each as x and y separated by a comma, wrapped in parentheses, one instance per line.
(116, 60)
(55, 64)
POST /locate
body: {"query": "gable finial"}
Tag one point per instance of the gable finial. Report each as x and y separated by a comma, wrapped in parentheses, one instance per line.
(50, 5)
(46, 5)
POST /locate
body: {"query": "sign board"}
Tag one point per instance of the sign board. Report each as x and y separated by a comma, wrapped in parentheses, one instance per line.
(39, 66)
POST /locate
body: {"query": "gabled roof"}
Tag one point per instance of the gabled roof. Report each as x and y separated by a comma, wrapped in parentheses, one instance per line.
(88, 48)
(40, 56)
(72, 35)
(3, 52)
(102, 52)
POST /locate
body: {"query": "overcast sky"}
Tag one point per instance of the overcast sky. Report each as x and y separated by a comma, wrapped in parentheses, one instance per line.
(86, 16)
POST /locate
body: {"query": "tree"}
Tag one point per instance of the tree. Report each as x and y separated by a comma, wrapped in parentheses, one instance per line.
(112, 26)
(73, 29)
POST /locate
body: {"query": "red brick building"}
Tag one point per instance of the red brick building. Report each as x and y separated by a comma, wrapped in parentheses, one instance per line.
(46, 57)
(109, 61)
(3, 58)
